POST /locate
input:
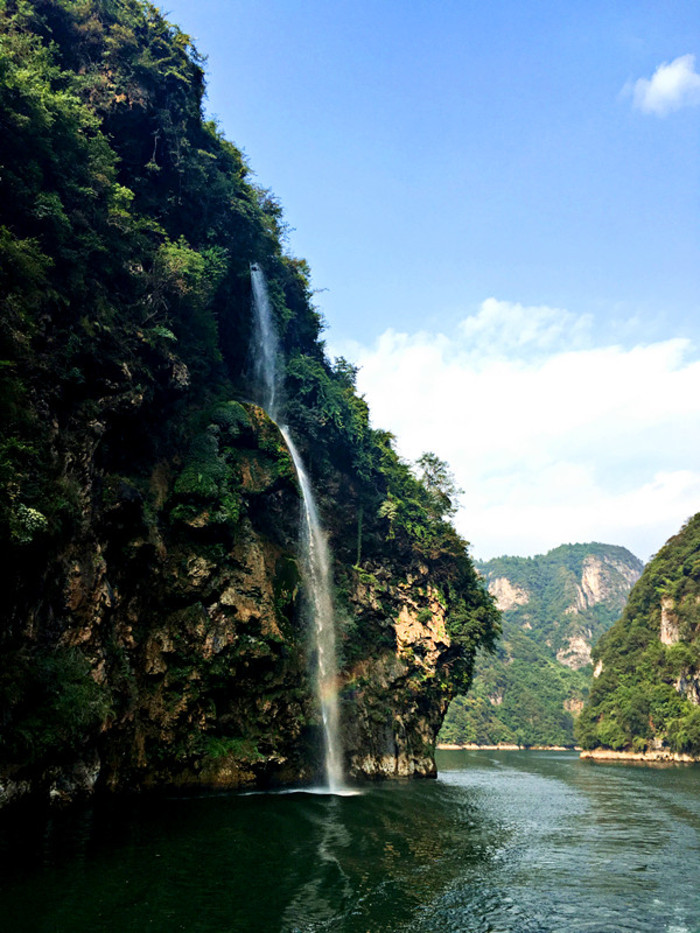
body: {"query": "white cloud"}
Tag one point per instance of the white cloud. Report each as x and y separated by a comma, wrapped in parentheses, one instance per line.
(552, 446)
(673, 85)
(512, 327)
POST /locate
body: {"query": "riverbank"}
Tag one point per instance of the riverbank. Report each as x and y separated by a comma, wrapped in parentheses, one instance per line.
(655, 755)
(506, 747)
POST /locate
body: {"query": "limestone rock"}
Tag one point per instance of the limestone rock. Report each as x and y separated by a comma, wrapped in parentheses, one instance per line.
(670, 626)
(507, 594)
(576, 654)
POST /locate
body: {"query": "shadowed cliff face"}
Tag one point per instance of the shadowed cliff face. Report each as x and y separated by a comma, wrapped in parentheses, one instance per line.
(180, 603)
(151, 629)
(183, 616)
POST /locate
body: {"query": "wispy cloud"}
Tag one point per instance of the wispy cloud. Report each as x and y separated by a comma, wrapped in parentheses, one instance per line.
(507, 328)
(673, 85)
(553, 438)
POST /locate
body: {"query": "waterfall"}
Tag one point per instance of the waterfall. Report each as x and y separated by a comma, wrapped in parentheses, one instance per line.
(316, 563)
(317, 578)
(266, 349)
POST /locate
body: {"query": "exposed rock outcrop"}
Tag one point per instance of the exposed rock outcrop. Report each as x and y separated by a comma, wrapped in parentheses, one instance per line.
(670, 627)
(395, 701)
(577, 653)
(507, 595)
(603, 578)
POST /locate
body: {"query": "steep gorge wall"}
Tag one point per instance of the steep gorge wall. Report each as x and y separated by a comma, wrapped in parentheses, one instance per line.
(152, 629)
(645, 698)
(181, 640)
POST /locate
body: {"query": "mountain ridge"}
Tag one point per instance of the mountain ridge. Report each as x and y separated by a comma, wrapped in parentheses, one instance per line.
(555, 605)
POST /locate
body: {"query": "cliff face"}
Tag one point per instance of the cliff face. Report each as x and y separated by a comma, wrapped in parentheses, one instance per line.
(507, 595)
(645, 697)
(395, 701)
(570, 596)
(182, 620)
(554, 607)
(605, 581)
(152, 629)
(185, 642)
(197, 650)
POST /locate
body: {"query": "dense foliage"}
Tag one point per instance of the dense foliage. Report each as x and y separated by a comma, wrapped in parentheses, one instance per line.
(646, 694)
(127, 228)
(523, 693)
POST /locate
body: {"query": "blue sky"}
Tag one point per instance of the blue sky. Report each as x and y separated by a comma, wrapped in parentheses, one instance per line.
(500, 205)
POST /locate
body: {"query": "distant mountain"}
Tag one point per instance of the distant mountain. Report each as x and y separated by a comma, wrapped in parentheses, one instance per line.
(555, 607)
(564, 599)
(645, 695)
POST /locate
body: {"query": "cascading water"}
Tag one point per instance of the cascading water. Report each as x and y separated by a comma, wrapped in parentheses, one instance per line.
(265, 347)
(317, 573)
(316, 564)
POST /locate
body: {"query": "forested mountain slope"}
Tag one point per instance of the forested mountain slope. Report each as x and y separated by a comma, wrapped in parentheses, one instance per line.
(646, 690)
(555, 606)
(152, 630)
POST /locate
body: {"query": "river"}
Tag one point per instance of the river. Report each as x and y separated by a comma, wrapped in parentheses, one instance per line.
(502, 842)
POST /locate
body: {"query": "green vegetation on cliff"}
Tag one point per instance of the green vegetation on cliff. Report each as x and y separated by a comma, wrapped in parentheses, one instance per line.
(554, 606)
(150, 620)
(646, 692)
(572, 590)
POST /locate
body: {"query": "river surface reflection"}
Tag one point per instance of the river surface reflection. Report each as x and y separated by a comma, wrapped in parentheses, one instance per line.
(502, 842)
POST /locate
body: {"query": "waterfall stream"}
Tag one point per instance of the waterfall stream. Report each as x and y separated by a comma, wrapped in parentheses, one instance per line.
(316, 564)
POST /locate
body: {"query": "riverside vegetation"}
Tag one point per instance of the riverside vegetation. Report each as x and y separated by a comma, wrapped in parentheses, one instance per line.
(645, 696)
(151, 627)
(555, 607)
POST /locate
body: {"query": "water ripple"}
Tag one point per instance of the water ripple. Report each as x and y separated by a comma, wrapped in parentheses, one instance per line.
(501, 843)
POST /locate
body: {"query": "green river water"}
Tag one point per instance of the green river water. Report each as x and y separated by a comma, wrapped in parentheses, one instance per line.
(504, 842)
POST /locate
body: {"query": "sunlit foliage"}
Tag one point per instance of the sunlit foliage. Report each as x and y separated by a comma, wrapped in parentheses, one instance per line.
(646, 693)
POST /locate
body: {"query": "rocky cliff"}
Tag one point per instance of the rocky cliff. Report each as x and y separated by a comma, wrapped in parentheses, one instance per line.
(394, 702)
(645, 698)
(569, 596)
(153, 630)
(554, 606)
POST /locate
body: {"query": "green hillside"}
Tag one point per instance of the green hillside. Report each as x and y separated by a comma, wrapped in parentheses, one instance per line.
(646, 695)
(554, 607)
